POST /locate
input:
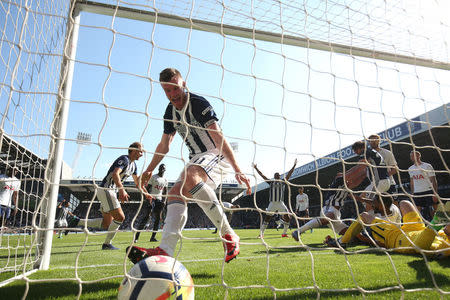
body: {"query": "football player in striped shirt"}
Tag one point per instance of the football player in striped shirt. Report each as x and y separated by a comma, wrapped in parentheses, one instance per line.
(276, 199)
(331, 213)
(211, 160)
(111, 192)
(376, 170)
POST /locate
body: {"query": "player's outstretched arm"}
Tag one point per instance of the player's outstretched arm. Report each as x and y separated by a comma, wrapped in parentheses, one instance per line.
(260, 173)
(223, 145)
(289, 174)
(160, 151)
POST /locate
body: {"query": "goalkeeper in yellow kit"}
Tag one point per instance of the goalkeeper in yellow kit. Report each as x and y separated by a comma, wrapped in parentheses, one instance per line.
(410, 236)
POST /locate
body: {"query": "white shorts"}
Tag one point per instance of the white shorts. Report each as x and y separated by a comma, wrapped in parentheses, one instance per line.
(382, 187)
(61, 223)
(331, 209)
(276, 206)
(214, 164)
(337, 225)
(108, 199)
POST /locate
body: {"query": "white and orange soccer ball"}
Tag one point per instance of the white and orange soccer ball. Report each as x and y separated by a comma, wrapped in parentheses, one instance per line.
(157, 277)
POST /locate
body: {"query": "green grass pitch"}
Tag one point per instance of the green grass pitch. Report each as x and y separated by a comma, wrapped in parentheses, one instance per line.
(276, 268)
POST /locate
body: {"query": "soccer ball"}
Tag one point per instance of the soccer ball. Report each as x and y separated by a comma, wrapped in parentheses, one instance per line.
(157, 277)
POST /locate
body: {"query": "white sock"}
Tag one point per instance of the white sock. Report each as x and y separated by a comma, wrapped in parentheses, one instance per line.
(211, 208)
(176, 218)
(286, 226)
(338, 225)
(313, 223)
(263, 227)
(112, 230)
(93, 223)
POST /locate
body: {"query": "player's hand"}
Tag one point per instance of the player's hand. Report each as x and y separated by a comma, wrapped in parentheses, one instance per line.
(148, 197)
(435, 200)
(145, 178)
(123, 195)
(241, 178)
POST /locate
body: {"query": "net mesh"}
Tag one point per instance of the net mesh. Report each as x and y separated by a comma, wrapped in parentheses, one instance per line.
(32, 37)
(277, 101)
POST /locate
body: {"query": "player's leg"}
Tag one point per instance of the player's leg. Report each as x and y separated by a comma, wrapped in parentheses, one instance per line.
(267, 218)
(111, 222)
(157, 216)
(4, 215)
(356, 227)
(108, 202)
(175, 221)
(176, 218)
(146, 212)
(202, 191)
(285, 218)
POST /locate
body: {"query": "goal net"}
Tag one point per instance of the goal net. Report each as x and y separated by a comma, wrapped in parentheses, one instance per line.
(289, 80)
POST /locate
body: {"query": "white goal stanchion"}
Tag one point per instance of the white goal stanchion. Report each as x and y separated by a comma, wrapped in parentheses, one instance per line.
(288, 80)
(32, 40)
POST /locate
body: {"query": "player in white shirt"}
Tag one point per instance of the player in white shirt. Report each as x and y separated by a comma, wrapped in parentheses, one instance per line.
(302, 206)
(211, 160)
(276, 199)
(157, 187)
(423, 185)
(9, 188)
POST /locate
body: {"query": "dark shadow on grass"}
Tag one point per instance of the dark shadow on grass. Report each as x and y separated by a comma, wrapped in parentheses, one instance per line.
(312, 294)
(312, 247)
(202, 276)
(423, 274)
(46, 290)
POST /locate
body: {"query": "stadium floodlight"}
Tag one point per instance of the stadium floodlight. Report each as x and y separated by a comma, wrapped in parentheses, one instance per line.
(83, 139)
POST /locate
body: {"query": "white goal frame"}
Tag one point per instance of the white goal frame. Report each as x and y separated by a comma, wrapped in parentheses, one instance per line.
(67, 69)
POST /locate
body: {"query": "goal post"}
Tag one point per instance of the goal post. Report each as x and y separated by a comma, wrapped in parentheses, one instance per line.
(58, 127)
(331, 73)
(252, 33)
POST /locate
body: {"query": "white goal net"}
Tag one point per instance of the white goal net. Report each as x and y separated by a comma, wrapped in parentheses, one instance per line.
(289, 80)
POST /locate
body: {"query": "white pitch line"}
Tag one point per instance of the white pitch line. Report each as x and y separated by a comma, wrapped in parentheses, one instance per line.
(182, 261)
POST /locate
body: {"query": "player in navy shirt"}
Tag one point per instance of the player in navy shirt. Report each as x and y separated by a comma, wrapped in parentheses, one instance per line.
(211, 160)
(113, 216)
(377, 171)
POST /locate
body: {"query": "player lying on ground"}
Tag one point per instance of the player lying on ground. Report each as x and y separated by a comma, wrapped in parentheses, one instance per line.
(411, 236)
(211, 160)
(334, 201)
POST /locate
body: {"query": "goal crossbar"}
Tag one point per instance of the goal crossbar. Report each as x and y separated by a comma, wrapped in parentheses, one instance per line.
(224, 29)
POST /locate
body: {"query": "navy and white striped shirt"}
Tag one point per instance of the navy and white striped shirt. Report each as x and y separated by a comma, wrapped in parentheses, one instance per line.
(191, 123)
(128, 168)
(276, 191)
(338, 194)
(377, 165)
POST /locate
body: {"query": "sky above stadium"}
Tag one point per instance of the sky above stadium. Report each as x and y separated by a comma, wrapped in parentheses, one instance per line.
(278, 103)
